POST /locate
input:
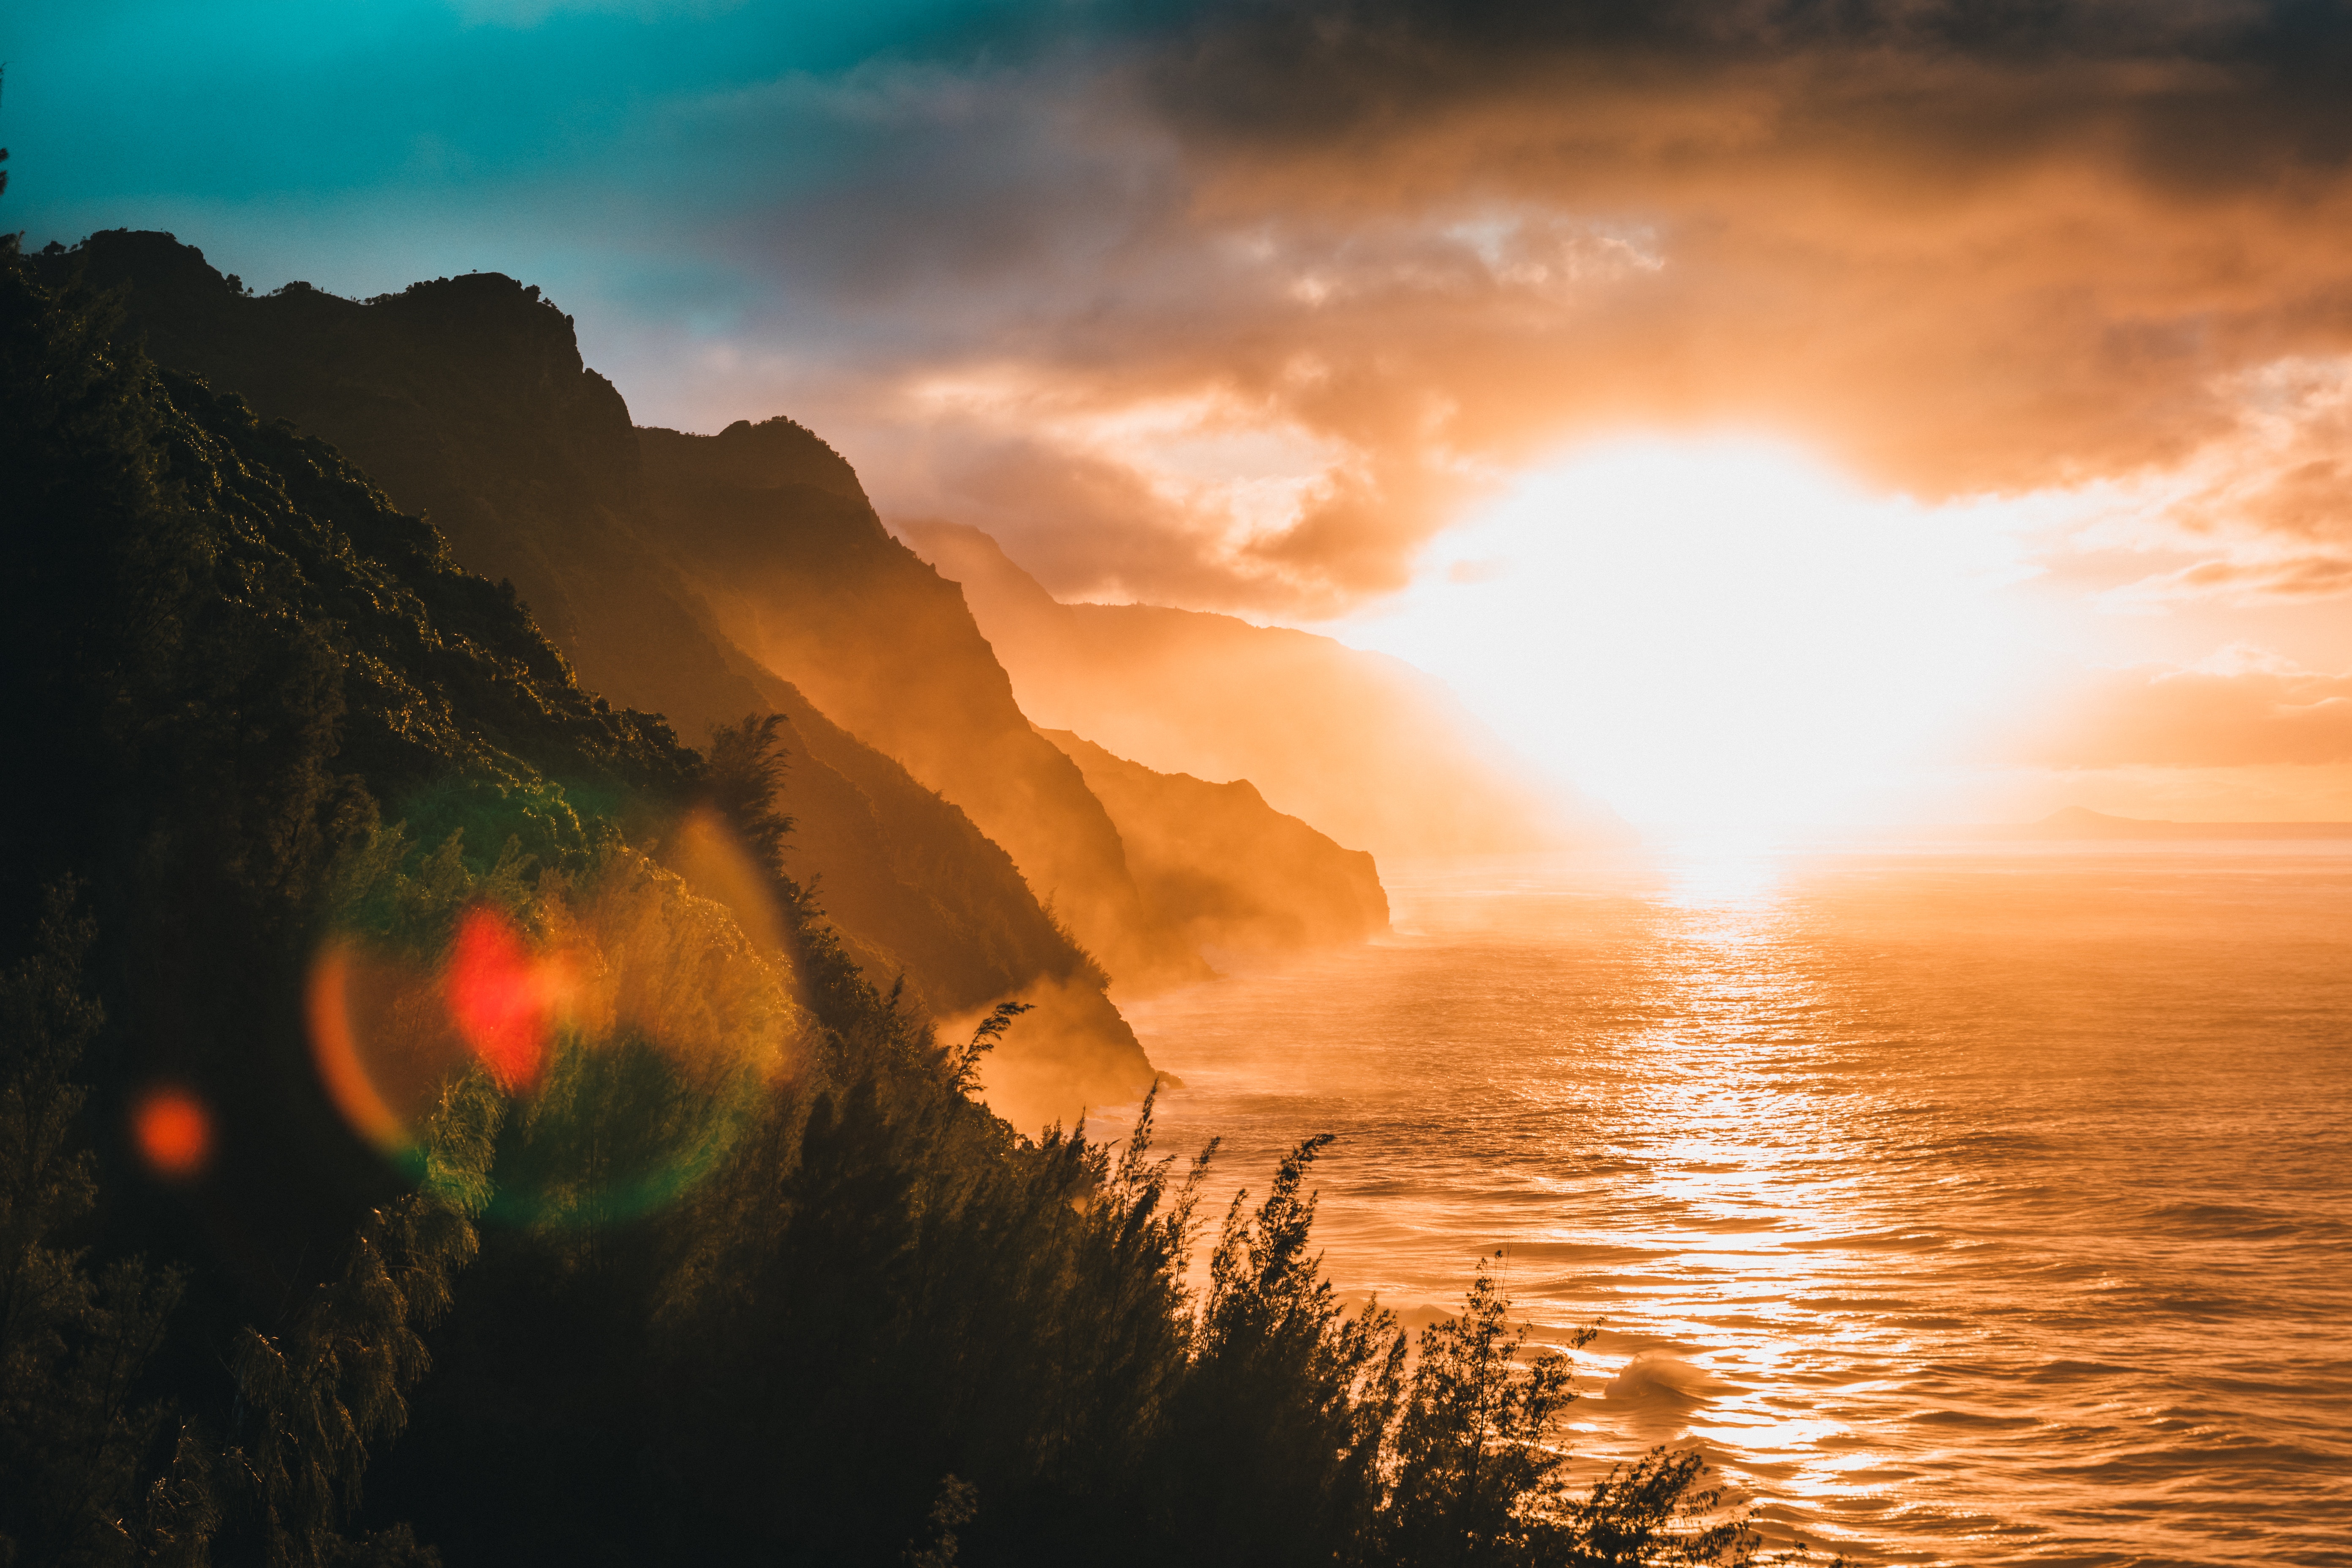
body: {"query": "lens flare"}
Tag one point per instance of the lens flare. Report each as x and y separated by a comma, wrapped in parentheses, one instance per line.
(351, 1080)
(716, 867)
(502, 998)
(632, 1010)
(388, 1032)
(173, 1132)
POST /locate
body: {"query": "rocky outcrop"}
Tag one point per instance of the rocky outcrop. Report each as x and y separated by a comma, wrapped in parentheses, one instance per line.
(798, 571)
(1230, 870)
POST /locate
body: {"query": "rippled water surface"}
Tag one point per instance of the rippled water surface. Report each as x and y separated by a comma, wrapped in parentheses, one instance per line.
(1971, 1206)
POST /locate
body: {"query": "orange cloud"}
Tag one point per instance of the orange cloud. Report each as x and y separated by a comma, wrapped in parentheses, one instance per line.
(2264, 514)
(1956, 249)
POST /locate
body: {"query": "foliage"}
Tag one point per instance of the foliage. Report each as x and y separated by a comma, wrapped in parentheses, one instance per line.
(77, 1484)
(314, 1398)
(226, 650)
(745, 781)
(964, 1066)
(1654, 1510)
(1273, 1446)
(959, 1500)
(1473, 1479)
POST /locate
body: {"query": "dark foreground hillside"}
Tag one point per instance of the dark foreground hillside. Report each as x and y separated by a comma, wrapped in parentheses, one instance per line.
(434, 1127)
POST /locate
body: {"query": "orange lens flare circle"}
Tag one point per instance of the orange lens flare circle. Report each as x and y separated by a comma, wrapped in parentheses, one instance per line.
(388, 1032)
(344, 1067)
(173, 1132)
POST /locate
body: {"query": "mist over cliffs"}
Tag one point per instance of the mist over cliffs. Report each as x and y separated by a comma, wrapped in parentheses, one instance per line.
(1366, 748)
(804, 577)
(1245, 876)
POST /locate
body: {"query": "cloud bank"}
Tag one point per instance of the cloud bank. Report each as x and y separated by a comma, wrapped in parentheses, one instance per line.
(1237, 306)
(1241, 310)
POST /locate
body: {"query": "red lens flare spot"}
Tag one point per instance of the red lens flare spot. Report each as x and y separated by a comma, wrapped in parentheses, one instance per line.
(502, 998)
(173, 1132)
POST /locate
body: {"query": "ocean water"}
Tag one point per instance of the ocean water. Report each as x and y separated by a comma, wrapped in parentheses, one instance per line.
(1965, 1204)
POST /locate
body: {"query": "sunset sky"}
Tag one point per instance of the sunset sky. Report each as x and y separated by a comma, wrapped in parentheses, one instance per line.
(1843, 412)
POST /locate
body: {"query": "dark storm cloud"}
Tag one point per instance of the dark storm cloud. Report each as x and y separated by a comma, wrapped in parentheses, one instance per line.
(2246, 87)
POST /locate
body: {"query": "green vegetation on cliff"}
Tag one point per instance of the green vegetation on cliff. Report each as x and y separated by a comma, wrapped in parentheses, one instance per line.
(467, 399)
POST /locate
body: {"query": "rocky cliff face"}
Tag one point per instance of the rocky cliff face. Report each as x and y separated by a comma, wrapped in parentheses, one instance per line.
(465, 399)
(1228, 869)
(1364, 747)
(798, 571)
(709, 577)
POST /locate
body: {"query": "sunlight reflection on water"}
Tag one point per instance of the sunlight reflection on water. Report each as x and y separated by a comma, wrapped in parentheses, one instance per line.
(1732, 877)
(1964, 1206)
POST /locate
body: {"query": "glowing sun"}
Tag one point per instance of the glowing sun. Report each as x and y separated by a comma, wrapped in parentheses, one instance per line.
(1716, 632)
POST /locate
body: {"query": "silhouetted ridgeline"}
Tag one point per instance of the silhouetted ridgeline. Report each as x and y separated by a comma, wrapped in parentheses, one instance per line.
(436, 1127)
(804, 575)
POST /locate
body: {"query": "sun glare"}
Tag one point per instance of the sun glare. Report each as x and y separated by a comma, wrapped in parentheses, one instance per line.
(1714, 633)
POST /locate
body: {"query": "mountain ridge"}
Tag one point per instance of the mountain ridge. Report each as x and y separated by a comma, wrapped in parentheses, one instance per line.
(467, 400)
(706, 577)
